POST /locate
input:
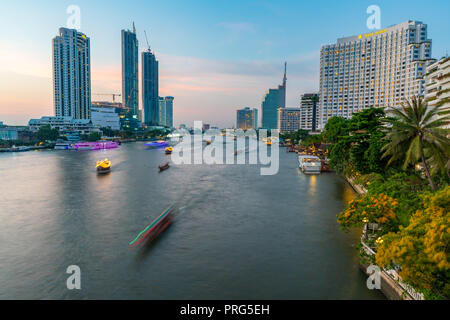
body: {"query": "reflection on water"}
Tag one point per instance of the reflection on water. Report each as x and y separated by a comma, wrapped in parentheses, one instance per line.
(238, 235)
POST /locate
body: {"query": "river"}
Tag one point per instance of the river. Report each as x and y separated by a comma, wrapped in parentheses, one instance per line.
(238, 235)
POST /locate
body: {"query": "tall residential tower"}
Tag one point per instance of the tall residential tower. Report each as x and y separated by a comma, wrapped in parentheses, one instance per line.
(72, 74)
(130, 72)
(377, 69)
(150, 88)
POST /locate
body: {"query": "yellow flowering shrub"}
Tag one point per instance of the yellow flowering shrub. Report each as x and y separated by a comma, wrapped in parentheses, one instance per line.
(378, 209)
(422, 250)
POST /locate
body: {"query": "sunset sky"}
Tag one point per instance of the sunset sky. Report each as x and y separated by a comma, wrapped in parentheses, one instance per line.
(215, 56)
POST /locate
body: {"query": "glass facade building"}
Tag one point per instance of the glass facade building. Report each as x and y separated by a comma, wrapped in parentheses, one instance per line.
(150, 88)
(272, 101)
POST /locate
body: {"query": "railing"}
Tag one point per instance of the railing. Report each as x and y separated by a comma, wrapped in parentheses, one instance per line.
(391, 273)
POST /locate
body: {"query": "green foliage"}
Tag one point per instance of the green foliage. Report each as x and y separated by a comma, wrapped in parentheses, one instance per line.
(94, 136)
(406, 188)
(46, 133)
(110, 133)
(336, 128)
(313, 139)
(417, 135)
(421, 250)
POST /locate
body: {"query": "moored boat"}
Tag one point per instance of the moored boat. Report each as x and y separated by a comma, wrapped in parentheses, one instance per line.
(310, 164)
(103, 166)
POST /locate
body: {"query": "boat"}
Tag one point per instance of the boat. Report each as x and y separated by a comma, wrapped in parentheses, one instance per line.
(164, 167)
(208, 142)
(94, 146)
(169, 150)
(325, 166)
(103, 166)
(62, 146)
(310, 164)
(20, 149)
(152, 231)
(157, 144)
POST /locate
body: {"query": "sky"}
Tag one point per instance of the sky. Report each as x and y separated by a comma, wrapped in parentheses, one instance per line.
(214, 56)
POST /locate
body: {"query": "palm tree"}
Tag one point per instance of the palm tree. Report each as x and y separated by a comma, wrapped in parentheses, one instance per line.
(416, 133)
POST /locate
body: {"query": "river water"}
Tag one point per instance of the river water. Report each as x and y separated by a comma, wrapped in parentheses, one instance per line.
(238, 235)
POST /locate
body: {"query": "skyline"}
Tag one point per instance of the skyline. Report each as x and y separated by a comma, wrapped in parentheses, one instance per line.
(213, 59)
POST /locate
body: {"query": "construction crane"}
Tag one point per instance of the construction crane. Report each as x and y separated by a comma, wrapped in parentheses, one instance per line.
(114, 95)
(146, 39)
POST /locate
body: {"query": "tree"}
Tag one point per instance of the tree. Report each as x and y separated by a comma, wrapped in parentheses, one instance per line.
(94, 136)
(335, 128)
(47, 133)
(422, 250)
(416, 134)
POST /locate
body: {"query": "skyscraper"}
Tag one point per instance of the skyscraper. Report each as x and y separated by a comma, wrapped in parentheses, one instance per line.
(165, 112)
(130, 72)
(150, 88)
(272, 101)
(72, 74)
(309, 105)
(378, 69)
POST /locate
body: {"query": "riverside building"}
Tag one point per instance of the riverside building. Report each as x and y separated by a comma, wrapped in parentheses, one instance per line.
(288, 119)
(437, 92)
(72, 74)
(377, 69)
(309, 105)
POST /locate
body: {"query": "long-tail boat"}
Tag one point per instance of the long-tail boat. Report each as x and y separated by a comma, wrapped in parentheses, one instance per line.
(152, 231)
(164, 167)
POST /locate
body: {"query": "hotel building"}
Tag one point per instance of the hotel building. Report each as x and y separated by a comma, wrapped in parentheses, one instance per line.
(377, 69)
(72, 74)
(437, 84)
(288, 119)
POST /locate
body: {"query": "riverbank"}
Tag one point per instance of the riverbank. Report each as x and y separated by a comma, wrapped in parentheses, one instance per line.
(390, 282)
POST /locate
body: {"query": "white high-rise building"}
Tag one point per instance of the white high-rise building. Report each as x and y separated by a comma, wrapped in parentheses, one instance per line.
(437, 85)
(72, 74)
(377, 69)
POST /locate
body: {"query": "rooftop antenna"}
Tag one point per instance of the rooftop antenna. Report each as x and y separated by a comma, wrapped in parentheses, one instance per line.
(285, 74)
(146, 39)
(134, 28)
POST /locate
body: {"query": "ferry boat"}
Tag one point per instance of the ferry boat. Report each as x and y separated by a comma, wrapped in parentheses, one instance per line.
(94, 146)
(152, 231)
(103, 166)
(157, 144)
(62, 146)
(310, 164)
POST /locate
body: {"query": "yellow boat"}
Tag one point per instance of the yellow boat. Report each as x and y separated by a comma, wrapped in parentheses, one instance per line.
(103, 166)
(169, 150)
